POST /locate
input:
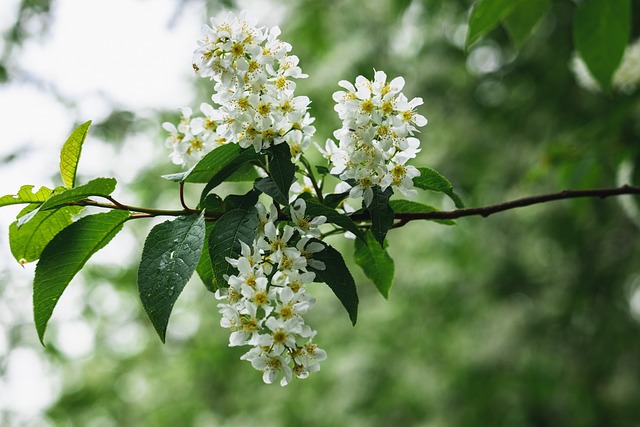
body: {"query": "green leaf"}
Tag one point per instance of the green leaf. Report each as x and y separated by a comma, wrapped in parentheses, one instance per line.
(269, 187)
(212, 204)
(70, 154)
(243, 201)
(375, 262)
(334, 200)
(96, 187)
(323, 170)
(204, 267)
(485, 16)
(430, 179)
(408, 206)
(213, 163)
(314, 208)
(601, 32)
(281, 171)
(28, 241)
(65, 255)
(233, 167)
(26, 195)
(381, 213)
(338, 277)
(235, 226)
(524, 17)
(170, 255)
(246, 172)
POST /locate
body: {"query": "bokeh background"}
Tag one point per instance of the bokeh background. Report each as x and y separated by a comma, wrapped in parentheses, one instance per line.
(527, 318)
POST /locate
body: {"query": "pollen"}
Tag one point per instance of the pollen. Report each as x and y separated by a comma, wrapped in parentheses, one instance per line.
(367, 106)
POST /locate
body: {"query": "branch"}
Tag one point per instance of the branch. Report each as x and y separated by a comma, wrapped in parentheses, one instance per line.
(485, 211)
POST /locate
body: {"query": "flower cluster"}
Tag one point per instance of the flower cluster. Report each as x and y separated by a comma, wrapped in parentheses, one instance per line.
(253, 75)
(376, 139)
(265, 302)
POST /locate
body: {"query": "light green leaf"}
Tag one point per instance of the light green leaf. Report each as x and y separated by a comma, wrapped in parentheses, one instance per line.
(375, 262)
(65, 255)
(96, 187)
(430, 179)
(338, 277)
(26, 195)
(381, 213)
(70, 154)
(235, 226)
(223, 160)
(408, 206)
(28, 241)
(485, 16)
(601, 30)
(170, 255)
(523, 18)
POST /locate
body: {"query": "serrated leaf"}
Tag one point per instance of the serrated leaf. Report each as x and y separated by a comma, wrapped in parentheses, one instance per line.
(381, 213)
(96, 187)
(408, 206)
(232, 228)
(212, 163)
(601, 30)
(314, 209)
(28, 241)
(338, 277)
(241, 201)
(431, 179)
(523, 18)
(65, 255)
(170, 255)
(375, 262)
(212, 204)
(281, 171)
(26, 195)
(485, 16)
(270, 188)
(228, 170)
(70, 154)
(204, 267)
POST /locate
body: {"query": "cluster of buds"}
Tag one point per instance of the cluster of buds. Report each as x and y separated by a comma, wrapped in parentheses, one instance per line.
(265, 302)
(376, 139)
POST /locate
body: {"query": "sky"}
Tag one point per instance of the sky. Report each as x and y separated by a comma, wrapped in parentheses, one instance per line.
(99, 56)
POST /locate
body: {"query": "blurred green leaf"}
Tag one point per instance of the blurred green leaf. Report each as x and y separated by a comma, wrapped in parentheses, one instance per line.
(523, 18)
(96, 187)
(431, 179)
(26, 195)
(601, 32)
(170, 255)
(375, 262)
(28, 241)
(485, 16)
(381, 213)
(338, 277)
(235, 226)
(65, 255)
(70, 154)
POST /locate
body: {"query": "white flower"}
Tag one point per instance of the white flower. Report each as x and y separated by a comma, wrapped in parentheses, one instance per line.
(305, 225)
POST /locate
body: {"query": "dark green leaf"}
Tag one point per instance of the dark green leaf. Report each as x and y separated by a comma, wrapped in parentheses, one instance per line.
(28, 241)
(601, 32)
(381, 213)
(375, 262)
(213, 163)
(70, 154)
(212, 204)
(170, 255)
(269, 187)
(281, 171)
(334, 200)
(204, 268)
(96, 187)
(65, 255)
(246, 172)
(232, 167)
(314, 209)
(338, 277)
(485, 16)
(26, 195)
(408, 206)
(323, 170)
(430, 179)
(523, 18)
(243, 202)
(232, 228)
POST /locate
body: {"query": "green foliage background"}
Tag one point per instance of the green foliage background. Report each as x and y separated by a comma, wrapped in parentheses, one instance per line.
(521, 319)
